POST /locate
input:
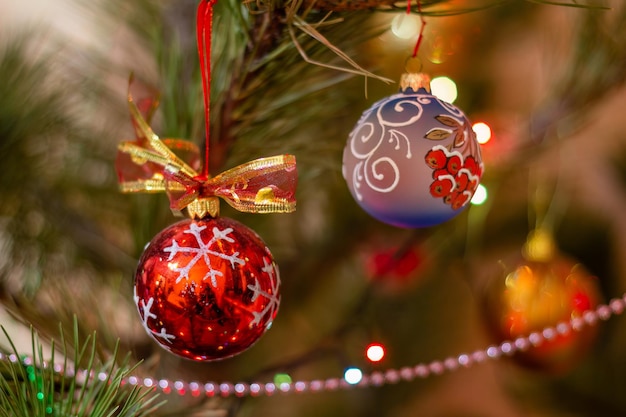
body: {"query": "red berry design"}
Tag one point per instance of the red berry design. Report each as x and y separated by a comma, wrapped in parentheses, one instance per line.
(450, 197)
(440, 172)
(436, 158)
(441, 187)
(455, 177)
(471, 164)
(462, 180)
(455, 163)
(473, 183)
(460, 200)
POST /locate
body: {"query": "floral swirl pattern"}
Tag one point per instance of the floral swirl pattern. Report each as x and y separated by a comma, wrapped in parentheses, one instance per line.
(380, 172)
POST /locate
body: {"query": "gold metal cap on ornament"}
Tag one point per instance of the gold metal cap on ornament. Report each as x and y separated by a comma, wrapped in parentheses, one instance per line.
(540, 246)
(414, 81)
(413, 78)
(203, 207)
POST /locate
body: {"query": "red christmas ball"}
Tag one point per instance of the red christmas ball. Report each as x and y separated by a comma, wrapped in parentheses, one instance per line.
(207, 289)
(396, 263)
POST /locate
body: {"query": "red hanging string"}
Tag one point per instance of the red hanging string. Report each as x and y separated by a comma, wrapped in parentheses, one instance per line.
(204, 27)
(423, 22)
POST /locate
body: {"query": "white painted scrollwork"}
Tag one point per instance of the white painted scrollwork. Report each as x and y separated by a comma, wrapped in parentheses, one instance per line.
(377, 170)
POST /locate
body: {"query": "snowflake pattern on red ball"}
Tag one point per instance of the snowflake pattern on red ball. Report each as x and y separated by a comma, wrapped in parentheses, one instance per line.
(204, 251)
(207, 289)
(455, 177)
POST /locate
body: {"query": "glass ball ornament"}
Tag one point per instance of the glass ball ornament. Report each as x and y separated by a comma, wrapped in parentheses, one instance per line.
(412, 160)
(207, 289)
(541, 292)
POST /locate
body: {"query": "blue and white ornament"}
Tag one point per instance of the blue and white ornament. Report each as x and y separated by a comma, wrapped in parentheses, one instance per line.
(412, 160)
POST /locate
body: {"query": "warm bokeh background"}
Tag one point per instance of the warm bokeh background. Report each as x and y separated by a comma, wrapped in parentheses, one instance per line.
(548, 79)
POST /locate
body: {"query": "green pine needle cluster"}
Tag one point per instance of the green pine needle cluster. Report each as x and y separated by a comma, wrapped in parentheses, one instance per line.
(30, 386)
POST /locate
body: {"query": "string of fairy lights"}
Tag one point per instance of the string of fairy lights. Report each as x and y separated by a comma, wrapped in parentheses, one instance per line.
(353, 377)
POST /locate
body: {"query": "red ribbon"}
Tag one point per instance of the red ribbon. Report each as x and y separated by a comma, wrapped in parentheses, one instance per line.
(149, 164)
(204, 25)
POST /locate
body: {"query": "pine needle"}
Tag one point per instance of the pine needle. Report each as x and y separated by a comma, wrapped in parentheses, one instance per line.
(313, 33)
(30, 386)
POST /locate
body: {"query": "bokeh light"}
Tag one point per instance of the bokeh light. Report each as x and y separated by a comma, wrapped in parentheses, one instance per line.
(480, 196)
(375, 352)
(405, 26)
(280, 379)
(444, 89)
(483, 132)
(353, 376)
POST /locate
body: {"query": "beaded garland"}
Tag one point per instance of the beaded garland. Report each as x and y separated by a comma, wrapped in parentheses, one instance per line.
(390, 376)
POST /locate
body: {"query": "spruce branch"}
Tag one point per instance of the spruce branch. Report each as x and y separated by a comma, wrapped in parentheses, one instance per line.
(447, 7)
(33, 386)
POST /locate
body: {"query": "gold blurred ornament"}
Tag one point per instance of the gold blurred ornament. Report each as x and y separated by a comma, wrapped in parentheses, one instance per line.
(544, 289)
(539, 246)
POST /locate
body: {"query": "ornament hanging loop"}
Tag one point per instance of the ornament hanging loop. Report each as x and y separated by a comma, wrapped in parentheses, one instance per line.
(413, 65)
(420, 37)
(204, 27)
(413, 78)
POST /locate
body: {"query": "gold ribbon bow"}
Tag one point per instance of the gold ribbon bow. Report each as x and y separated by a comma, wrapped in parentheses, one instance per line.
(148, 164)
